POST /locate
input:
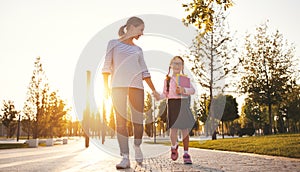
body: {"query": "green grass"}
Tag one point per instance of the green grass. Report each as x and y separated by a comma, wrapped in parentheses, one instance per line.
(287, 145)
(13, 146)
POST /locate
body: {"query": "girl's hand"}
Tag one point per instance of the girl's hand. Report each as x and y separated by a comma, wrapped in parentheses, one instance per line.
(156, 95)
(179, 90)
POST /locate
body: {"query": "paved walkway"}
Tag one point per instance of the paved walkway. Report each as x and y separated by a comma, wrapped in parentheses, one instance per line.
(74, 157)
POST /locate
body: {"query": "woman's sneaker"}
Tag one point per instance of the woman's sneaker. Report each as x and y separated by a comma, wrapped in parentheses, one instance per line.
(187, 159)
(174, 153)
(138, 154)
(125, 163)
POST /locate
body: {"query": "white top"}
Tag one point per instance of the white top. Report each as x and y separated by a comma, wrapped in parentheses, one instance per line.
(126, 64)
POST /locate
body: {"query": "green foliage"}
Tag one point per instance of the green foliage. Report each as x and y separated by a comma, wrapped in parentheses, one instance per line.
(212, 57)
(45, 113)
(148, 102)
(163, 112)
(267, 64)
(9, 117)
(201, 12)
(252, 111)
(294, 107)
(56, 116)
(231, 109)
(148, 115)
(35, 97)
(268, 69)
(200, 108)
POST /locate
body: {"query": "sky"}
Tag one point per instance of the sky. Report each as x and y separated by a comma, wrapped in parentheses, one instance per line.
(57, 31)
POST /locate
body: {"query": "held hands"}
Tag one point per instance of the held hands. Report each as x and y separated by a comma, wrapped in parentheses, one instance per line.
(156, 95)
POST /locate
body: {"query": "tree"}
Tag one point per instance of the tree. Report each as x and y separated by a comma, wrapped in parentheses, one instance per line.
(148, 115)
(230, 111)
(268, 70)
(112, 123)
(253, 114)
(9, 117)
(27, 118)
(293, 110)
(162, 117)
(199, 110)
(202, 111)
(201, 13)
(44, 113)
(212, 59)
(163, 111)
(57, 116)
(36, 96)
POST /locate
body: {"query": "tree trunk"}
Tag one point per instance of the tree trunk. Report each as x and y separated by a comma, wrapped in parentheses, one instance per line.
(222, 129)
(270, 117)
(211, 89)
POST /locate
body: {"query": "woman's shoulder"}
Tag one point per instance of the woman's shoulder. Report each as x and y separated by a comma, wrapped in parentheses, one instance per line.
(118, 42)
(113, 41)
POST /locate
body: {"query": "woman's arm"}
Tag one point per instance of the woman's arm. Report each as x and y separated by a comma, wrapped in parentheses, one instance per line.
(150, 83)
(107, 67)
(106, 88)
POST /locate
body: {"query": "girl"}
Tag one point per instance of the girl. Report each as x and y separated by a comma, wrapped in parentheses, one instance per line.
(179, 113)
(125, 62)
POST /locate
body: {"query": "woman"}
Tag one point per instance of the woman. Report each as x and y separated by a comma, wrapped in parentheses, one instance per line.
(125, 63)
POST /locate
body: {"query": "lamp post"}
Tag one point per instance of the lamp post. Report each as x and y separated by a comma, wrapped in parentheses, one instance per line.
(18, 131)
(86, 115)
(154, 121)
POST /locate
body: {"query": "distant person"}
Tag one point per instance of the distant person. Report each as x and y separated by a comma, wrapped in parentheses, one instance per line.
(178, 104)
(124, 61)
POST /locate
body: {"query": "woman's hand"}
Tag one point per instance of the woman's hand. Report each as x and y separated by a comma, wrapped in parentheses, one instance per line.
(106, 91)
(156, 95)
(106, 88)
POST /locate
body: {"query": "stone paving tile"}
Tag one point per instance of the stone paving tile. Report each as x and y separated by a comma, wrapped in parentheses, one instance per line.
(219, 161)
(75, 158)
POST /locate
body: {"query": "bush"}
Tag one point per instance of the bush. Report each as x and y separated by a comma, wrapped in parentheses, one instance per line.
(246, 131)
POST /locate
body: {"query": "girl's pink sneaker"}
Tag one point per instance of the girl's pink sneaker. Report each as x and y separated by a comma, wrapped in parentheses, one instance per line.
(187, 159)
(174, 153)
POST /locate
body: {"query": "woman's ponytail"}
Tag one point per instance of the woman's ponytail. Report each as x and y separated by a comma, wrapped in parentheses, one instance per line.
(121, 30)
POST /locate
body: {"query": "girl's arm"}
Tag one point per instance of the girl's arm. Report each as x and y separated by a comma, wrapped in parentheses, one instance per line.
(164, 94)
(186, 91)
